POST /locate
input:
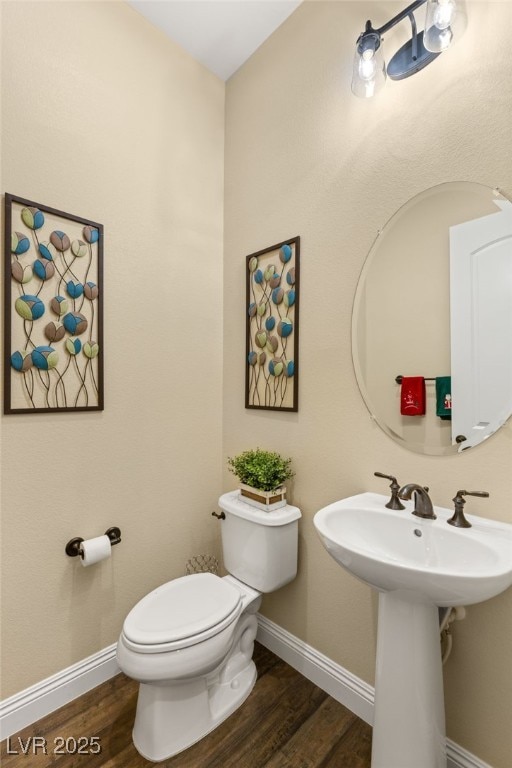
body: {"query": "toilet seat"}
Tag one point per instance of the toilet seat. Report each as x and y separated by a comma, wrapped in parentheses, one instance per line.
(181, 613)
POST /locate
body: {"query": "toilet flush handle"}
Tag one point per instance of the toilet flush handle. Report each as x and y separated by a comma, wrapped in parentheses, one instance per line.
(222, 515)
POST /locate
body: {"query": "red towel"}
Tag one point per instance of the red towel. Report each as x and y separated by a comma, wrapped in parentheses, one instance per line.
(412, 398)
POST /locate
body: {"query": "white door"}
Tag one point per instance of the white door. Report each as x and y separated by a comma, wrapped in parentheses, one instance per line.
(481, 325)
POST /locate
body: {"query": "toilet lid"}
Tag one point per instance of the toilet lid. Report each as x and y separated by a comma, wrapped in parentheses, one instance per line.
(181, 609)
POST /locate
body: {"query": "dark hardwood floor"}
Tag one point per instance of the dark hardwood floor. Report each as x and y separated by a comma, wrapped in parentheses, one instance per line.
(287, 722)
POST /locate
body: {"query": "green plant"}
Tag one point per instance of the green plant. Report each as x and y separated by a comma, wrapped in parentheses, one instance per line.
(260, 469)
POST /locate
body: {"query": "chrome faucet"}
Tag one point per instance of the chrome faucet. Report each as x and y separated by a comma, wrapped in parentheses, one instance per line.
(422, 501)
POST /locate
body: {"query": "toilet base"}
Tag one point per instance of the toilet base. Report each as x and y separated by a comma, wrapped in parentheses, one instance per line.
(171, 718)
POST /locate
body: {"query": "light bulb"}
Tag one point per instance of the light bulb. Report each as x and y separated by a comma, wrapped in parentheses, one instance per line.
(367, 65)
(444, 14)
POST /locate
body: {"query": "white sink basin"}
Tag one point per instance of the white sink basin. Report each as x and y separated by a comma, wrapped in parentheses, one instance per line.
(395, 550)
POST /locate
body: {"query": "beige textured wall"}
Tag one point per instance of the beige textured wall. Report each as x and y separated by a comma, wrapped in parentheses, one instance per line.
(304, 157)
(105, 118)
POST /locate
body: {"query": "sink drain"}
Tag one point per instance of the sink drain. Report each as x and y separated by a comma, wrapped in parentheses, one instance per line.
(417, 532)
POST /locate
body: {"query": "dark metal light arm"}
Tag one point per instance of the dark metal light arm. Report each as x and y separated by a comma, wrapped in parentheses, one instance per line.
(414, 40)
(396, 19)
(375, 34)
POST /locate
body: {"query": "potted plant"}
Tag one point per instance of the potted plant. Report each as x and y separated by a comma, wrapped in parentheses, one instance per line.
(261, 475)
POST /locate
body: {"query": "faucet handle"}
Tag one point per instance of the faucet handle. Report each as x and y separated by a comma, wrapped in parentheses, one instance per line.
(458, 519)
(394, 502)
(483, 494)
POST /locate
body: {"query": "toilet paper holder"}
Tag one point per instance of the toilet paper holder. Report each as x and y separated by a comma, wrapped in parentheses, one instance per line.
(73, 545)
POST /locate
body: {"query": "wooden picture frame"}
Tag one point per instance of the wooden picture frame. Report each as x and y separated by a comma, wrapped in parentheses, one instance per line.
(53, 310)
(272, 327)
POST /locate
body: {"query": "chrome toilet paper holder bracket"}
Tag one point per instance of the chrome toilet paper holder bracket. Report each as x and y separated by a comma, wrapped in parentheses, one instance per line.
(73, 545)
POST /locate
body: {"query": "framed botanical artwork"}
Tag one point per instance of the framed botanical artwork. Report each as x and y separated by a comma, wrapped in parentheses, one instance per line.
(272, 323)
(53, 324)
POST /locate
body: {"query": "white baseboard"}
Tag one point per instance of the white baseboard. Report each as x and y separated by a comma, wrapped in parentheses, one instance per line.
(461, 758)
(41, 699)
(342, 685)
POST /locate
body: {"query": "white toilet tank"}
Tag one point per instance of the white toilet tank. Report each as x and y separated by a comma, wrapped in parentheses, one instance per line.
(259, 548)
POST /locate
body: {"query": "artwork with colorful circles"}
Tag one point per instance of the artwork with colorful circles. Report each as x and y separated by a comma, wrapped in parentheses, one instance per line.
(272, 323)
(53, 328)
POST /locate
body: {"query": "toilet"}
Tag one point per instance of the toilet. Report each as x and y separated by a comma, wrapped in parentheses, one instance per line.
(189, 643)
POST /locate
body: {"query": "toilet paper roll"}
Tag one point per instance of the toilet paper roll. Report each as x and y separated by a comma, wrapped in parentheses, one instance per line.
(94, 550)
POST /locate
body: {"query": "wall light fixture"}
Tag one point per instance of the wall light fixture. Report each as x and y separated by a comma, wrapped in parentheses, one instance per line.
(370, 71)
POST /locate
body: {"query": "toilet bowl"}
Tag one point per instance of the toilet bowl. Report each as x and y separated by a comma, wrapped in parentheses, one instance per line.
(189, 643)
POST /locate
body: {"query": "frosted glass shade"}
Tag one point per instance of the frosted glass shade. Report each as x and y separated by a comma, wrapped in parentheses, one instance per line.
(442, 23)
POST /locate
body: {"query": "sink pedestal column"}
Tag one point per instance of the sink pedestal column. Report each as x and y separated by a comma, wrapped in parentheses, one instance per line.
(409, 723)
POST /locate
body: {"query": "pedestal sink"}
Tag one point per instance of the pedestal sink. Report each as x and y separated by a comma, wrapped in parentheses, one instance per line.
(416, 565)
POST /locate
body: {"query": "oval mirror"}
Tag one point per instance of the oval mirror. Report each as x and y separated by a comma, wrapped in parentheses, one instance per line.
(434, 301)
